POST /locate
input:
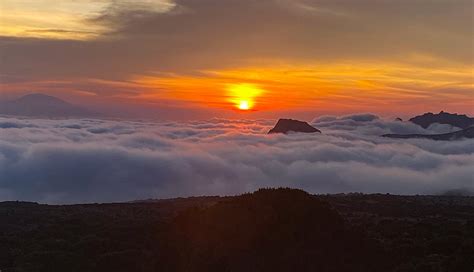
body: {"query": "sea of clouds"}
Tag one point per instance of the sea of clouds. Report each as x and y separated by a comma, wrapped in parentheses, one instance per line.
(91, 160)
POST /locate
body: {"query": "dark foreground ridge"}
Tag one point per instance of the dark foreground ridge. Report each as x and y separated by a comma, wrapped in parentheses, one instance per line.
(290, 125)
(467, 133)
(269, 230)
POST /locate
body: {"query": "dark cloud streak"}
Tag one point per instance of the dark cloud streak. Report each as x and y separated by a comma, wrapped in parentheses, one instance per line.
(215, 34)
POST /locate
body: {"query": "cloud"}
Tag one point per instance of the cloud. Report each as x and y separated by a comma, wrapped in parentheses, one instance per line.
(8, 124)
(370, 124)
(64, 161)
(361, 117)
(180, 36)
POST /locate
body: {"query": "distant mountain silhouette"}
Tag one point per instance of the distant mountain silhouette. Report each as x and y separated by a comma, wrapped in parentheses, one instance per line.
(465, 133)
(290, 125)
(42, 105)
(457, 120)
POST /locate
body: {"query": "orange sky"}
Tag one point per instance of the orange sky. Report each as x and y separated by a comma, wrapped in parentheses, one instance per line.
(357, 86)
(368, 87)
(249, 57)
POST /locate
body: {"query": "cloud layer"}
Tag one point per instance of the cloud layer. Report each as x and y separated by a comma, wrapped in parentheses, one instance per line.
(75, 161)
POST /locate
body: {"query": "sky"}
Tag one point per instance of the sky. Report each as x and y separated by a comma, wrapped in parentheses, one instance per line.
(194, 59)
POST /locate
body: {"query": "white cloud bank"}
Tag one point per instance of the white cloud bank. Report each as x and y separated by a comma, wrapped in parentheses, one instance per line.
(75, 161)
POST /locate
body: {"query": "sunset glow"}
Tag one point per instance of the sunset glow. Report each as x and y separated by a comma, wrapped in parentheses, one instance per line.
(328, 87)
(243, 95)
(244, 105)
(170, 54)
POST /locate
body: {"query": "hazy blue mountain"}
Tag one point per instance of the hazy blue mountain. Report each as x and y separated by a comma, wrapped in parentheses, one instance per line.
(42, 105)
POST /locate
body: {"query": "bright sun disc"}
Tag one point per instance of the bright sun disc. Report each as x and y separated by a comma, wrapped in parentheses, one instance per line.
(243, 95)
(244, 105)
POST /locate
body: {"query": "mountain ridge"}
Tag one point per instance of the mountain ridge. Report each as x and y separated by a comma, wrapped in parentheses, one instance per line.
(458, 120)
(42, 105)
(290, 125)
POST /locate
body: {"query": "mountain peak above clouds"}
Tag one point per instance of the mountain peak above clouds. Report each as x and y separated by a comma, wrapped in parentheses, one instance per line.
(42, 105)
(290, 125)
(457, 120)
(40, 98)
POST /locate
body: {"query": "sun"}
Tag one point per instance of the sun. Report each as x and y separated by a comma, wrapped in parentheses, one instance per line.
(243, 95)
(244, 105)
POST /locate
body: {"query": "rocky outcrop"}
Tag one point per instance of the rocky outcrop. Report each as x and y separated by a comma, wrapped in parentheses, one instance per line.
(290, 125)
(457, 120)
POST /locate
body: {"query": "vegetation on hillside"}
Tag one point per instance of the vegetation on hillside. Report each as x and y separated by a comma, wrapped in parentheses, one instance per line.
(269, 230)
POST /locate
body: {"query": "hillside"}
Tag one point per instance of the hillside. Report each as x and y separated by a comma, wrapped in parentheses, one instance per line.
(270, 230)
